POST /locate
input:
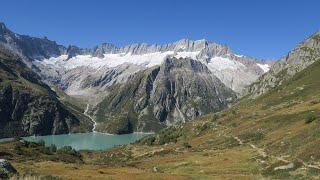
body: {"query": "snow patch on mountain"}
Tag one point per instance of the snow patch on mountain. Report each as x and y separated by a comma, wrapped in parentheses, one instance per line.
(192, 55)
(264, 67)
(239, 55)
(221, 63)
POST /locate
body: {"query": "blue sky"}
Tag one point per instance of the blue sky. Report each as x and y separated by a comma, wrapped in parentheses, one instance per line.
(263, 29)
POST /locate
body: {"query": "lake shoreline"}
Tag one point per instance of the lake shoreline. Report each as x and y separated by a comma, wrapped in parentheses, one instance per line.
(85, 141)
(11, 138)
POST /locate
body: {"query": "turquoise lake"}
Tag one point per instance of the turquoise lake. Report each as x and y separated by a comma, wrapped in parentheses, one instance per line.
(87, 141)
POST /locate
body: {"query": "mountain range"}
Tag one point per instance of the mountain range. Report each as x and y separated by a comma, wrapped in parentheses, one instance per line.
(168, 83)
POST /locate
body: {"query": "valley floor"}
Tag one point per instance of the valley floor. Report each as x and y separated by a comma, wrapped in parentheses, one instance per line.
(275, 136)
(150, 163)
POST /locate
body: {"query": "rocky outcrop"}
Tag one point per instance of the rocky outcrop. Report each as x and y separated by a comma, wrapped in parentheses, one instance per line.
(176, 91)
(23, 113)
(28, 106)
(305, 54)
(6, 169)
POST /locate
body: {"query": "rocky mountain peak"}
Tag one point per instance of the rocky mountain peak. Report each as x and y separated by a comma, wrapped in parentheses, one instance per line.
(185, 63)
(104, 48)
(72, 51)
(303, 55)
(2, 26)
(4, 32)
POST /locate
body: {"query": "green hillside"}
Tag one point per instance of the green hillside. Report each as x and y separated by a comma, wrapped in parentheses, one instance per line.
(28, 106)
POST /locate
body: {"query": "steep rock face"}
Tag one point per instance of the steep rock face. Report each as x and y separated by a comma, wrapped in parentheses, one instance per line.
(177, 90)
(305, 54)
(30, 47)
(28, 106)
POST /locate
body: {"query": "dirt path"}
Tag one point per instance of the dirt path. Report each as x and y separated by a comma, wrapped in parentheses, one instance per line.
(263, 153)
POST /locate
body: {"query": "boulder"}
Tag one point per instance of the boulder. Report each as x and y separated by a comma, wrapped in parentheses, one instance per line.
(6, 169)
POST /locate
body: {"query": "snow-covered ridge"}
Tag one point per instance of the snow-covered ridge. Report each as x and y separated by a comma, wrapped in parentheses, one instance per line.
(264, 67)
(239, 56)
(83, 70)
(147, 60)
(63, 65)
(234, 71)
(221, 63)
(148, 55)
